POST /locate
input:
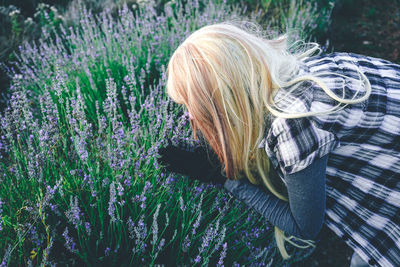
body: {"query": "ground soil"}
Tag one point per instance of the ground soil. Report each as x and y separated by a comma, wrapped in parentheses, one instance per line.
(329, 252)
(367, 27)
(370, 28)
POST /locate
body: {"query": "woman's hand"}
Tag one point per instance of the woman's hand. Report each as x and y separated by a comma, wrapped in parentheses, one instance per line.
(201, 163)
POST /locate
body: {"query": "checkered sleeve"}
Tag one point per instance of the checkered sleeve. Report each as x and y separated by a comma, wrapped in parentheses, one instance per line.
(294, 144)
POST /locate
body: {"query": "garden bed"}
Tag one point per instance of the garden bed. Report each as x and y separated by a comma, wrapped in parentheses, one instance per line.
(80, 179)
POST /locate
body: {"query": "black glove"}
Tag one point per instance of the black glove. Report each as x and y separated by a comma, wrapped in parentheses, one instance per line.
(200, 162)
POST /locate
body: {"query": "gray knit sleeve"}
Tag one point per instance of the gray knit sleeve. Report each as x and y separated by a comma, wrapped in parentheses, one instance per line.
(303, 215)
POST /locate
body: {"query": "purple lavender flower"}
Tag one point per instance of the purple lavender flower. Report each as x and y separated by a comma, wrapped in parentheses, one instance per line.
(107, 251)
(6, 256)
(186, 244)
(120, 189)
(128, 181)
(223, 255)
(208, 237)
(131, 225)
(199, 216)
(88, 228)
(159, 247)
(197, 223)
(147, 186)
(111, 202)
(141, 234)
(69, 242)
(155, 225)
(105, 182)
(74, 213)
(182, 206)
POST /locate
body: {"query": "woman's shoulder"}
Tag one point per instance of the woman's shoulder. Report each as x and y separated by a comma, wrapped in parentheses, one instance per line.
(293, 144)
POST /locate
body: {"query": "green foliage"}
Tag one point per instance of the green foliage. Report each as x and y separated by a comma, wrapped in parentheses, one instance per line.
(80, 182)
(47, 16)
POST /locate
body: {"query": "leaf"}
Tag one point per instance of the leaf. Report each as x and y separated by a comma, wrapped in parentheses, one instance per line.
(33, 254)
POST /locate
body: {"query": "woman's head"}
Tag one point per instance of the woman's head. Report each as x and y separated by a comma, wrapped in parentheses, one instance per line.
(224, 75)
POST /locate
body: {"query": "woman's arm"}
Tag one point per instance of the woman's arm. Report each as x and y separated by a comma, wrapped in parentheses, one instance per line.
(303, 216)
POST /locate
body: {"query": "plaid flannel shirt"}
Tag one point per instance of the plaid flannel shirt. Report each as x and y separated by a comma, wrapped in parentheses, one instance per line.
(363, 143)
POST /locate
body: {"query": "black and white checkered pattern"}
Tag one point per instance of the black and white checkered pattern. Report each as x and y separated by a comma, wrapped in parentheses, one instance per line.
(363, 142)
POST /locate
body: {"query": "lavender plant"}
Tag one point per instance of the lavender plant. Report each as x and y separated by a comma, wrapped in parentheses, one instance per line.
(80, 180)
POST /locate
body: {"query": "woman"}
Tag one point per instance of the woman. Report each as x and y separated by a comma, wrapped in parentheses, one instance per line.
(302, 139)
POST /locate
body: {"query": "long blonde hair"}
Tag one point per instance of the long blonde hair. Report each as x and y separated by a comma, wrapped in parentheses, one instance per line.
(226, 75)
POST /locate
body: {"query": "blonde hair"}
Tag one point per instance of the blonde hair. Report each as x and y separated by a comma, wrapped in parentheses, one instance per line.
(226, 75)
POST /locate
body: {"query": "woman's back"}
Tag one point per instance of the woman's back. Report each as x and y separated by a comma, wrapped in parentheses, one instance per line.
(361, 122)
(363, 143)
(339, 72)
